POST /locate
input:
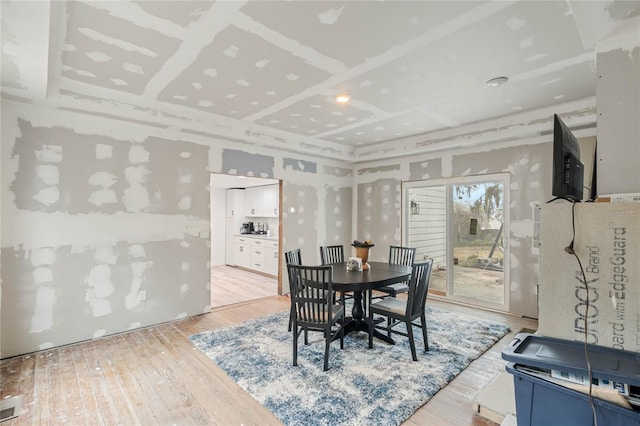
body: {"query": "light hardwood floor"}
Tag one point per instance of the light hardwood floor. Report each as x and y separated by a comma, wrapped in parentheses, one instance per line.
(155, 376)
(231, 285)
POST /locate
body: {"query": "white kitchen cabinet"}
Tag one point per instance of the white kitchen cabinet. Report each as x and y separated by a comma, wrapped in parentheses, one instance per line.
(235, 203)
(235, 216)
(258, 255)
(253, 201)
(271, 198)
(271, 257)
(242, 252)
(262, 201)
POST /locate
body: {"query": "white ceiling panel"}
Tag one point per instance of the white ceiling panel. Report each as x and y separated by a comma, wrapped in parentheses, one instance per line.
(110, 52)
(402, 125)
(239, 74)
(507, 43)
(182, 13)
(565, 85)
(271, 69)
(353, 31)
(314, 116)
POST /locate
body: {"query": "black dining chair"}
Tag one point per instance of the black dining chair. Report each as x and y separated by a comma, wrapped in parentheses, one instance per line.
(330, 255)
(399, 311)
(399, 256)
(293, 257)
(314, 307)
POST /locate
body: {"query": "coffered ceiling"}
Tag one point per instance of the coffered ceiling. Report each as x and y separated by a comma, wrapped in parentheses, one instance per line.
(273, 68)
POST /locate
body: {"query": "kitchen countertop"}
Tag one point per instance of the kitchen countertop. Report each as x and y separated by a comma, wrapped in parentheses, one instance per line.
(258, 236)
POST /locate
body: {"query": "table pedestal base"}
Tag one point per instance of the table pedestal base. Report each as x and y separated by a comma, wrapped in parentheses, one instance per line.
(359, 322)
(351, 324)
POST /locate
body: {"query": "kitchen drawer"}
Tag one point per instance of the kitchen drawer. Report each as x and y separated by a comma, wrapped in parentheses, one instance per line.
(271, 244)
(257, 253)
(242, 240)
(257, 264)
(257, 257)
(257, 242)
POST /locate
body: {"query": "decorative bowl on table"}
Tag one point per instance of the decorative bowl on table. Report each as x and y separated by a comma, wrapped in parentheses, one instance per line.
(362, 251)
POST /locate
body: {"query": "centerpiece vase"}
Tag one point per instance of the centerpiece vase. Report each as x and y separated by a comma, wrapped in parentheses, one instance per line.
(363, 253)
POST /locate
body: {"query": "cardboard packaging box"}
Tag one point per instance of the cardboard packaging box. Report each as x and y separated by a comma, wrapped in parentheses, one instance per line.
(607, 243)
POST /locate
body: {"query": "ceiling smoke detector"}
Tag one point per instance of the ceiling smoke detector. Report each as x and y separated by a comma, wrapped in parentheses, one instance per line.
(495, 82)
(343, 98)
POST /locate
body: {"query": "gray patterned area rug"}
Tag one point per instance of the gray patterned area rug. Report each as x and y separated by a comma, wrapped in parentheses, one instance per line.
(380, 386)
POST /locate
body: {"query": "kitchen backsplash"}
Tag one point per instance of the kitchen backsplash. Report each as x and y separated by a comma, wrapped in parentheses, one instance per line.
(271, 223)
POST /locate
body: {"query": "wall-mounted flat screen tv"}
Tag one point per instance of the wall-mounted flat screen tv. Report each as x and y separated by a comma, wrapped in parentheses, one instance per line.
(568, 171)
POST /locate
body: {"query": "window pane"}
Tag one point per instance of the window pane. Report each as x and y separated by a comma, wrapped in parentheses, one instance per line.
(478, 255)
(427, 213)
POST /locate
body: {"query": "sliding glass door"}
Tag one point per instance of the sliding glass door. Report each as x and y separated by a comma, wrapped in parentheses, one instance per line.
(426, 229)
(460, 224)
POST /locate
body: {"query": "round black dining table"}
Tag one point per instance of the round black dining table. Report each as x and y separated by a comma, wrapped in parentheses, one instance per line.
(378, 275)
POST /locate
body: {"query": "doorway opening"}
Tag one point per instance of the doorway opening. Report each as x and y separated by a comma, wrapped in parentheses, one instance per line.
(245, 238)
(461, 223)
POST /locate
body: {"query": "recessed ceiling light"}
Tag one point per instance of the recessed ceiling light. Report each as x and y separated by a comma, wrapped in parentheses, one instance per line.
(343, 98)
(495, 82)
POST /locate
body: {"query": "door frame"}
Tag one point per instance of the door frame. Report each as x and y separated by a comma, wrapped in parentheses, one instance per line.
(448, 183)
(240, 184)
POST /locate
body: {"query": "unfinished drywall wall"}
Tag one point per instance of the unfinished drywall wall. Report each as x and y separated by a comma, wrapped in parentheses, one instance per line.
(529, 168)
(300, 165)
(61, 171)
(338, 171)
(379, 213)
(100, 231)
(106, 224)
(424, 170)
(48, 284)
(317, 197)
(242, 163)
(218, 224)
(337, 216)
(301, 204)
(618, 97)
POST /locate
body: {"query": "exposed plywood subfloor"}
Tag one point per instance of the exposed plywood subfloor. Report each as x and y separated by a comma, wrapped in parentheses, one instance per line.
(231, 285)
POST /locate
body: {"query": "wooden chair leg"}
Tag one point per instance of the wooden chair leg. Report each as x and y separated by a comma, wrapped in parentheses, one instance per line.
(327, 341)
(295, 345)
(412, 343)
(372, 323)
(292, 312)
(425, 337)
